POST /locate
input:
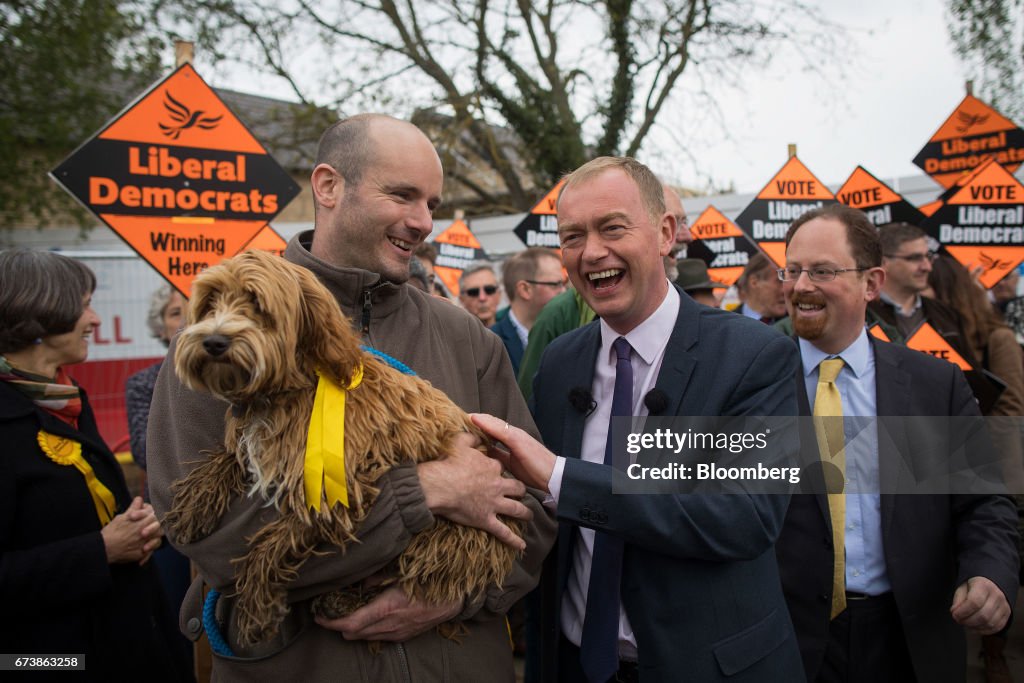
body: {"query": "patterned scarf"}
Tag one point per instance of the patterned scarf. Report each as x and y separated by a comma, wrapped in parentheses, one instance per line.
(57, 396)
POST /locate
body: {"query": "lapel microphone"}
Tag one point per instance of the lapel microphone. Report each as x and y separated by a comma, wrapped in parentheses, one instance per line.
(582, 400)
(656, 401)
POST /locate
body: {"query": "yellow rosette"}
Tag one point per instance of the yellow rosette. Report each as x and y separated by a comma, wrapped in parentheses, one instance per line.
(65, 451)
(324, 469)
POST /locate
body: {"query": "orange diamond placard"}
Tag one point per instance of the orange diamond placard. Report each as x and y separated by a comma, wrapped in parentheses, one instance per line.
(457, 249)
(267, 239)
(972, 131)
(878, 201)
(793, 191)
(540, 227)
(179, 178)
(721, 245)
(927, 340)
(877, 332)
(980, 222)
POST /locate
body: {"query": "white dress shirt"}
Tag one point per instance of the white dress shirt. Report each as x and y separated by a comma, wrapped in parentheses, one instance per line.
(649, 340)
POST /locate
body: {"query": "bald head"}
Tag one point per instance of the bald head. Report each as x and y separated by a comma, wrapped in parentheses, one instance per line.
(376, 184)
(350, 145)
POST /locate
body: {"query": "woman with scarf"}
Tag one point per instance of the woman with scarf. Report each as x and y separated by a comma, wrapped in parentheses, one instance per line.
(74, 578)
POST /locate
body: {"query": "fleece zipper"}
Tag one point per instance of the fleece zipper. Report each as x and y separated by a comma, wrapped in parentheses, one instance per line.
(368, 309)
(403, 662)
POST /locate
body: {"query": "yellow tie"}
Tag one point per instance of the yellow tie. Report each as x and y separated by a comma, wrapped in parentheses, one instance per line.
(831, 445)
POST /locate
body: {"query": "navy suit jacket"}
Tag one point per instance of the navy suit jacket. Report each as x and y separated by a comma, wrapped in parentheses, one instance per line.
(699, 581)
(932, 543)
(505, 329)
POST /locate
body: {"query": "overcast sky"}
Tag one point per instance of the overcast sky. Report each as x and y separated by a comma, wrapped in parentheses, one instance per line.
(901, 83)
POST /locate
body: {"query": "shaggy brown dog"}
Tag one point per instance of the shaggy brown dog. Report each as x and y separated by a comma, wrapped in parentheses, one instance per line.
(259, 329)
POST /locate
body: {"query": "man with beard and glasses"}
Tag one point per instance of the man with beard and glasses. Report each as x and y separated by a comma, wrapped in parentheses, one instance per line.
(883, 592)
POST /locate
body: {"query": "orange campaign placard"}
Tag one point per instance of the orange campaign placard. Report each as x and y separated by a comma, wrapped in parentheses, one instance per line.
(973, 130)
(549, 205)
(179, 178)
(878, 201)
(540, 227)
(267, 240)
(721, 245)
(927, 340)
(877, 332)
(793, 191)
(930, 208)
(981, 221)
(180, 247)
(457, 248)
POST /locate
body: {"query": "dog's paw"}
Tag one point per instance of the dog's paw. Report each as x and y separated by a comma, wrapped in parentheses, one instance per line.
(342, 603)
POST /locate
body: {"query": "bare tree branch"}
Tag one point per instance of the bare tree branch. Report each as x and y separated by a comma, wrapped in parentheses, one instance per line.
(526, 89)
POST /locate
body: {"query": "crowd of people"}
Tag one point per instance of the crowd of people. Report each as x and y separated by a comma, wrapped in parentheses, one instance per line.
(821, 582)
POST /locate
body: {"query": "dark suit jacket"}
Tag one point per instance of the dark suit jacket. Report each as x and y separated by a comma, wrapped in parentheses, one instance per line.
(932, 543)
(59, 593)
(699, 581)
(505, 329)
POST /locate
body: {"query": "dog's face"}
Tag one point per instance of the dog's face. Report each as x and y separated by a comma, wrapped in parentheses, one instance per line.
(257, 326)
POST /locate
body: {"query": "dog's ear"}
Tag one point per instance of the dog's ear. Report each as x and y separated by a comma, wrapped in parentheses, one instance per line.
(326, 334)
(204, 287)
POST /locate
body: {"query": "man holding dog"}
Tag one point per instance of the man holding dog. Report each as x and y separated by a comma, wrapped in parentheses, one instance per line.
(376, 183)
(663, 587)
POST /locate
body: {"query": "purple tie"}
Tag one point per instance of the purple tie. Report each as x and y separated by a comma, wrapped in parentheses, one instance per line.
(599, 645)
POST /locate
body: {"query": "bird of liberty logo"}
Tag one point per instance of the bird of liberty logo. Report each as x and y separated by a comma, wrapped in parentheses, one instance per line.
(184, 118)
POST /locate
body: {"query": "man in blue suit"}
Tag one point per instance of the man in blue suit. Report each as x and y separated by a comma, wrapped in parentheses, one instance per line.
(691, 590)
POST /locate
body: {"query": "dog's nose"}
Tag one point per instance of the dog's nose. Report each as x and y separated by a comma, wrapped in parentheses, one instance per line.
(216, 344)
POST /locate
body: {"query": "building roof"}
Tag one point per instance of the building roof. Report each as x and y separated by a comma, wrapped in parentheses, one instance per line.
(289, 130)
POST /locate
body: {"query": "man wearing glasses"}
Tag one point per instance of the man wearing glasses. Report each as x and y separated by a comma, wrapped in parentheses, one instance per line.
(907, 260)
(879, 587)
(479, 292)
(532, 278)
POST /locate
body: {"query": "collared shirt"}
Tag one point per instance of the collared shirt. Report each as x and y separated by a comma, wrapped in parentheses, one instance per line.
(649, 340)
(749, 312)
(907, 322)
(914, 308)
(523, 333)
(865, 558)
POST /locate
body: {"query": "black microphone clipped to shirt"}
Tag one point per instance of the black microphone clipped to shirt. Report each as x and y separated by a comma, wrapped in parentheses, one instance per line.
(656, 401)
(582, 400)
